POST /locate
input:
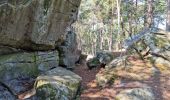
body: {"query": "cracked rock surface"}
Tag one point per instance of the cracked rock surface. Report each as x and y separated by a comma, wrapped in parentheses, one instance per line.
(36, 24)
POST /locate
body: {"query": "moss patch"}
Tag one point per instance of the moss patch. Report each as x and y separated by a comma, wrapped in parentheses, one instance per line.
(46, 91)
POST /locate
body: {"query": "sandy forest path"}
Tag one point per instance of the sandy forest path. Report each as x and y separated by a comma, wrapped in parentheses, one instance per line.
(139, 75)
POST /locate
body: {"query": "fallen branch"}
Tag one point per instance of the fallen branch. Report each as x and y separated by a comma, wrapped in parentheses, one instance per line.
(158, 55)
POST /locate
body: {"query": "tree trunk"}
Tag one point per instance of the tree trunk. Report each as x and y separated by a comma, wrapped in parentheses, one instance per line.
(148, 21)
(111, 39)
(101, 39)
(118, 15)
(118, 22)
(168, 16)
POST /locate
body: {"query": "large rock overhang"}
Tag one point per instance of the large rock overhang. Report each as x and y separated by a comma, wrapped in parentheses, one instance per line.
(36, 24)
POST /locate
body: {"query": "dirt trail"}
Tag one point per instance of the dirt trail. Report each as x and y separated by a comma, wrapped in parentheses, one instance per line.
(139, 75)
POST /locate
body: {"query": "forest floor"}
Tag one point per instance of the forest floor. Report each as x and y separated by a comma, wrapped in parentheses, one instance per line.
(139, 74)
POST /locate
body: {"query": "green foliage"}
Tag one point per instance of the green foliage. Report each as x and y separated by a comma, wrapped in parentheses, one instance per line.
(98, 22)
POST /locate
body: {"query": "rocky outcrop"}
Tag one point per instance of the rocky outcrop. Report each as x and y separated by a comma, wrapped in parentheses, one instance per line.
(162, 42)
(58, 84)
(163, 59)
(35, 38)
(36, 24)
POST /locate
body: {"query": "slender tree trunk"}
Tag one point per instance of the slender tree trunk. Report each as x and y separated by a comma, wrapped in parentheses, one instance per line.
(148, 21)
(118, 22)
(130, 24)
(111, 42)
(93, 49)
(118, 15)
(101, 41)
(111, 30)
(110, 38)
(136, 19)
(168, 16)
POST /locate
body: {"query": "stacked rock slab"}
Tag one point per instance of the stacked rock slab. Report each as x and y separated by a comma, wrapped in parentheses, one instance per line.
(15, 69)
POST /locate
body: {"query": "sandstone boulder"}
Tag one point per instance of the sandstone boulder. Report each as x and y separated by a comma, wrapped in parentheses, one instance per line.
(58, 84)
(161, 62)
(144, 93)
(105, 57)
(100, 60)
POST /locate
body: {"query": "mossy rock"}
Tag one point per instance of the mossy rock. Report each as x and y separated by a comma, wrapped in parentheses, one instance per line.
(58, 84)
(17, 68)
(52, 92)
(27, 63)
(18, 64)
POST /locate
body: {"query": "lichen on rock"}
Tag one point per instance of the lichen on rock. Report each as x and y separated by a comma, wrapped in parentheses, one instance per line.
(59, 84)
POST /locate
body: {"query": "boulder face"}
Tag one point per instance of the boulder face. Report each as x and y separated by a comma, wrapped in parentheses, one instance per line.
(36, 24)
(58, 84)
(68, 52)
(100, 60)
(4, 94)
(144, 93)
